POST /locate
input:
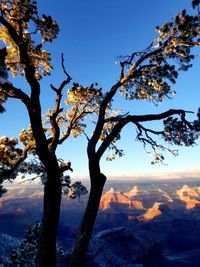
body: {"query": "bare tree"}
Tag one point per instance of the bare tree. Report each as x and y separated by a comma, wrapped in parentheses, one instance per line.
(144, 75)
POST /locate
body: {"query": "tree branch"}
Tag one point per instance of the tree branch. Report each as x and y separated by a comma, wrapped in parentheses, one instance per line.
(76, 116)
(109, 96)
(160, 116)
(70, 127)
(24, 58)
(57, 109)
(8, 173)
(148, 139)
(11, 30)
(151, 117)
(136, 119)
(32, 103)
(10, 91)
(146, 130)
(109, 138)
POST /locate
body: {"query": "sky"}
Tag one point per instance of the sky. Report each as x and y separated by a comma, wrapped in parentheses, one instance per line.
(93, 34)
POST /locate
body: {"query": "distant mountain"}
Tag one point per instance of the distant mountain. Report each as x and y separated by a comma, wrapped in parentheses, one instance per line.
(19, 194)
(132, 193)
(165, 196)
(113, 196)
(192, 192)
(189, 195)
(164, 217)
(152, 212)
(37, 194)
(11, 194)
(113, 199)
(159, 210)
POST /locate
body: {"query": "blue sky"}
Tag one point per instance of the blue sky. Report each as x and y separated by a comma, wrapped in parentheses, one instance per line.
(93, 34)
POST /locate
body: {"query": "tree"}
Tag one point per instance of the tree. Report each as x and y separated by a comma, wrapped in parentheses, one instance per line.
(144, 75)
(16, 161)
(26, 253)
(24, 57)
(25, 34)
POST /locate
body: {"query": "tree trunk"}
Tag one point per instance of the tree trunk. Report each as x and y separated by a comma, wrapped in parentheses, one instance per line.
(51, 213)
(52, 191)
(80, 247)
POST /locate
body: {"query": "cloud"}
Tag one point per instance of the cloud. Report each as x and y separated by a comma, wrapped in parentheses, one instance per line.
(185, 174)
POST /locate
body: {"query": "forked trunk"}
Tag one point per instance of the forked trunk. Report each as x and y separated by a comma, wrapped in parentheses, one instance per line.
(80, 248)
(51, 212)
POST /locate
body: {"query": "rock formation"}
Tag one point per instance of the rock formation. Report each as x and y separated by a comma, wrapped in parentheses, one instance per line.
(188, 195)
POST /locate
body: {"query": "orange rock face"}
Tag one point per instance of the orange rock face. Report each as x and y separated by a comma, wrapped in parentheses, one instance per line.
(132, 193)
(189, 196)
(152, 212)
(112, 196)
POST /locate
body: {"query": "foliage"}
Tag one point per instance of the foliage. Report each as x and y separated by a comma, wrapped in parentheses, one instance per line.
(24, 34)
(2, 190)
(8, 151)
(22, 15)
(13, 160)
(179, 132)
(3, 99)
(144, 75)
(15, 163)
(77, 190)
(26, 254)
(157, 67)
(195, 3)
(148, 75)
(81, 103)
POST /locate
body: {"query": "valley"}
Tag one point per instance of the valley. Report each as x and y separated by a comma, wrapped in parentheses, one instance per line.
(148, 223)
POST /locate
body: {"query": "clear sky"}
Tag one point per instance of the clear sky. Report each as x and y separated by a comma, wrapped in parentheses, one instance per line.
(93, 34)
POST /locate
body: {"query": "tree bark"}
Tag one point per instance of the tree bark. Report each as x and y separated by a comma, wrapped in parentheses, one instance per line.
(80, 247)
(51, 212)
(52, 192)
